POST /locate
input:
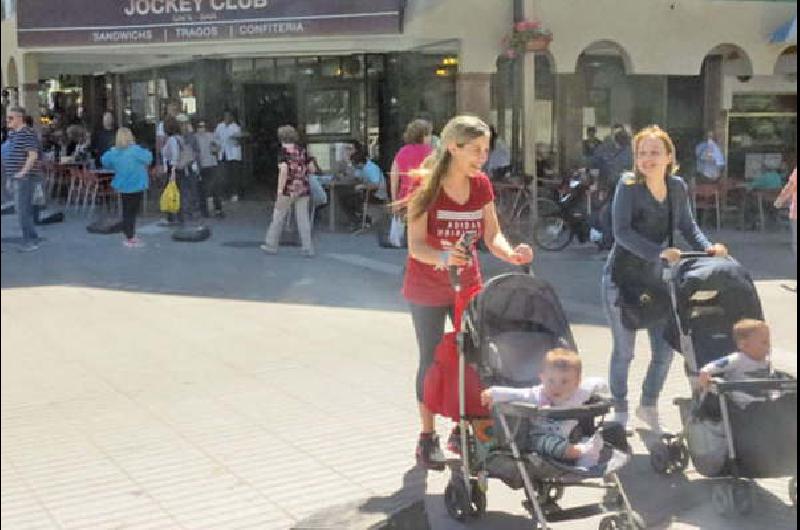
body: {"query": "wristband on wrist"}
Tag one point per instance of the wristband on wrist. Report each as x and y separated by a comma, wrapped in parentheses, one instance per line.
(443, 258)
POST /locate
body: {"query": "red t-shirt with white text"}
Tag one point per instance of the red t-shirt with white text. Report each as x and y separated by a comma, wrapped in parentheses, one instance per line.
(447, 221)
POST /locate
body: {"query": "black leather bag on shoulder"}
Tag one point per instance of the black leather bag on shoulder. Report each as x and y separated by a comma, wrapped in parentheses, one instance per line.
(644, 299)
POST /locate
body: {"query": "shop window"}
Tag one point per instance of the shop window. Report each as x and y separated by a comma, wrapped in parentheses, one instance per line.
(328, 112)
(331, 67)
(765, 103)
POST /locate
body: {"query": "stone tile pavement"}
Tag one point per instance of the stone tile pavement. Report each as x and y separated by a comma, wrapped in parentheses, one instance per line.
(209, 386)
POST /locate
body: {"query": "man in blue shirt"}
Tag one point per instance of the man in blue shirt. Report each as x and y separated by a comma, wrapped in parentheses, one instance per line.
(21, 159)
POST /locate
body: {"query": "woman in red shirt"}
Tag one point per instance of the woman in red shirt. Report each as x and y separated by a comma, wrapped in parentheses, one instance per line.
(453, 199)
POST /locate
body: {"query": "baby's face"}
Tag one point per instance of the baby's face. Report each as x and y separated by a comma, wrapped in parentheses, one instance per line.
(559, 383)
(756, 346)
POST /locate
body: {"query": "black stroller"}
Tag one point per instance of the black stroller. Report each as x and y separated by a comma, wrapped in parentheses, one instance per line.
(723, 439)
(506, 331)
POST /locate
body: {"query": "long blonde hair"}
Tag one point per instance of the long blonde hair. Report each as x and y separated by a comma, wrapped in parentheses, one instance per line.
(654, 131)
(460, 131)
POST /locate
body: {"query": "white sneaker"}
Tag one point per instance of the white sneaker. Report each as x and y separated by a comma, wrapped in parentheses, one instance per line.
(620, 418)
(234, 198)
(649, 416)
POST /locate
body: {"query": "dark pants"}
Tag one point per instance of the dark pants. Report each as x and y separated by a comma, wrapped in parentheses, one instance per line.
(190, 194)
(211, 181)
(429, 328)
(25, 208)
(232, 176)
(130, 208)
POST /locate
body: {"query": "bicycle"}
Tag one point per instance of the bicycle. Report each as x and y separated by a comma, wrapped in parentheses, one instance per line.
(513, 198)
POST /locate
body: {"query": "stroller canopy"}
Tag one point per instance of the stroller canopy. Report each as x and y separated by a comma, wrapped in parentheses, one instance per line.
(510, 327)
(712, 294)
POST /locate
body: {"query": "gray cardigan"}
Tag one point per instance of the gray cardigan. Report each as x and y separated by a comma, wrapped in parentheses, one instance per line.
(641, 223)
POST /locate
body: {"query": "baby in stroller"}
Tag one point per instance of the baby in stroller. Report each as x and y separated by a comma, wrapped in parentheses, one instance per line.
(516, 342)
(751, 360)
(740, 426)
(561, 387)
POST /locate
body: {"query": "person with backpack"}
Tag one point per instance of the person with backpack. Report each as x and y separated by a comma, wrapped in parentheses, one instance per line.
(294, 166)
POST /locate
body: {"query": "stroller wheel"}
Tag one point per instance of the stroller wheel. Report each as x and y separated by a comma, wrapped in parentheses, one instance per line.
(632, 521)
(551, 493)
(456, 501)
(793, 491)
(478, 499)
(660, 458)
(679, 455)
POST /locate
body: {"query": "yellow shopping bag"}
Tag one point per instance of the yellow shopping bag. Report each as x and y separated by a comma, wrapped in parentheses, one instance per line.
(171, 198)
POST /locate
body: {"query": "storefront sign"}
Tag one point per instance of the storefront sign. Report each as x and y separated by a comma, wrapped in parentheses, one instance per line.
(45, 23)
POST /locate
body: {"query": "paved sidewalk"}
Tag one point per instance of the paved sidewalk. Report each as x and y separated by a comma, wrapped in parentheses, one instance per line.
(210, 386)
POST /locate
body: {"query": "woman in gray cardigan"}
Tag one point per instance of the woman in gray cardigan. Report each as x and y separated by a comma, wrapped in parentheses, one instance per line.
(642, 224)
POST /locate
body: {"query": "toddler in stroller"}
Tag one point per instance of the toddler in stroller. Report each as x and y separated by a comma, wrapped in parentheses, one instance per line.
(741, 427)
(560, 388)
(509, 332)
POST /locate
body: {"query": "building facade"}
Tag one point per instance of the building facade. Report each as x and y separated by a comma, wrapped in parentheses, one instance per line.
(361, 69)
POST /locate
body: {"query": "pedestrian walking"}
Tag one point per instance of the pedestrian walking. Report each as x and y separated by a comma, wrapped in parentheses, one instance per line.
(173, 165)
(455, 198)
(294, 166)
(417, 138)
(130, 163)
(650, 204)
(21, 160)
(191, 198)
(209, 169)
(227, 135)
(789, 195)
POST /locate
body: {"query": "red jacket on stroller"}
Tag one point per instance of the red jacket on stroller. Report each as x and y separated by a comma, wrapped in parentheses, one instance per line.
(440, 392)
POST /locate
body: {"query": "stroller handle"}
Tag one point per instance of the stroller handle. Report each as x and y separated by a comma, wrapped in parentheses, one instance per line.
(693, 254)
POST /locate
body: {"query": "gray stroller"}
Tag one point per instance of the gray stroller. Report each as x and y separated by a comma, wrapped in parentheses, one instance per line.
(506, 331)
(724, 439)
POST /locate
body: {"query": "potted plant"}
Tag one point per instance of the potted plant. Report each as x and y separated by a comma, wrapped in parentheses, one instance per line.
(527, 35)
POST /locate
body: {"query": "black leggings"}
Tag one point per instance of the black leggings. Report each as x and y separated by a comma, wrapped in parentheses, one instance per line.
(130, 208)
(429, 328)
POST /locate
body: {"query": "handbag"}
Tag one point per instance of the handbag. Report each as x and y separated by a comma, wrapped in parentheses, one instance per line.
(396, 232)
(644, 298)
(170, 201)
(38, 195)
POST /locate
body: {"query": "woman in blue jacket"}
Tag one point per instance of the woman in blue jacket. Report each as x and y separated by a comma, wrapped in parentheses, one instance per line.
(129, 163)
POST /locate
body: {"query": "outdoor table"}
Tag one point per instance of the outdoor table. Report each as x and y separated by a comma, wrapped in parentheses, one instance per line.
(331, 185)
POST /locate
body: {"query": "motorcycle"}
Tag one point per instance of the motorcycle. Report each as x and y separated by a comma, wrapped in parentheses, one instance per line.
(555, 230)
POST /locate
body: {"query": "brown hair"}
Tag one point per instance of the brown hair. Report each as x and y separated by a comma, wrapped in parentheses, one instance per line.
(171, 126)
(746, 327)
(563, 359)
(416, 131)
(654, 131)
(460, 131)
(287, 134)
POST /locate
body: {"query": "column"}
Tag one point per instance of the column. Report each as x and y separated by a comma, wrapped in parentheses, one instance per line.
(29, 86)
(529, 126)
(474, 94)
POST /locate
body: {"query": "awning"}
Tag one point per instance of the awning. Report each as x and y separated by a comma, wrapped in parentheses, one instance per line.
(786, 34)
